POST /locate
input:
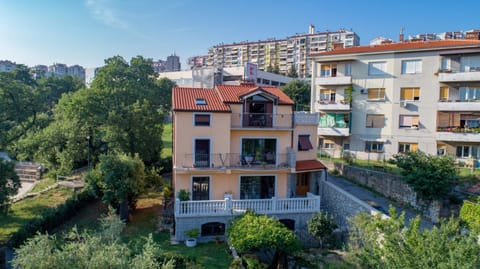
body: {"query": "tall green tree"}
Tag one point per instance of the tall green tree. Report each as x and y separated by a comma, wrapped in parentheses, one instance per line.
(9, 184)
(431, 177)
(387, 243)
(119, 180)
(299, 91)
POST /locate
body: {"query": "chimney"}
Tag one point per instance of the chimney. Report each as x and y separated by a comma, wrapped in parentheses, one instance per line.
(311, 29)
(400, 37)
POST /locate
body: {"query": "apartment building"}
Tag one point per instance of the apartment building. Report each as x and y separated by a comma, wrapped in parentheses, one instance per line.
(238, 148)
(77, 71)
(405, 96)
(281, 53)
(7, 66)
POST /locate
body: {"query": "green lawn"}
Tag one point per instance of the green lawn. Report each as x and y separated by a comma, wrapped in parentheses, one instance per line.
(167, 140)
(43, 184)
(30, 208)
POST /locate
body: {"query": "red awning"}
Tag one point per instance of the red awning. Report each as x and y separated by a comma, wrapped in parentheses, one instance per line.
(309, 165)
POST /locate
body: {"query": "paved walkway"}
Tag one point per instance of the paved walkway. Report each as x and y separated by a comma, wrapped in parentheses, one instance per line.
(376, 201)
(25, 187)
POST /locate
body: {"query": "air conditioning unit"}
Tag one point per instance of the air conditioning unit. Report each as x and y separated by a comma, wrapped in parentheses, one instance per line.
(363, 91)
(403, 103)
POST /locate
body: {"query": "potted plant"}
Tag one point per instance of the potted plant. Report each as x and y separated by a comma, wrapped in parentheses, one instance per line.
(192, 237)
(183, 195)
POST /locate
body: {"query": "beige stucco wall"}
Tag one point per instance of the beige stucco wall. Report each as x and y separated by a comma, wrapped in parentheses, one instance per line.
(220, 183)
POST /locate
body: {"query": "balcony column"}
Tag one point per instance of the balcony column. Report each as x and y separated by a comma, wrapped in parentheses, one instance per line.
(228, 205)
(177, 206)
(274, 204)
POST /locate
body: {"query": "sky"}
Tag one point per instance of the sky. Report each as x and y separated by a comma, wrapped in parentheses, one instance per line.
(86, 32)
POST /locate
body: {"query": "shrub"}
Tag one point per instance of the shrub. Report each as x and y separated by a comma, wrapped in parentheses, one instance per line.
(321, 226)
(470, 215)
(184, 195)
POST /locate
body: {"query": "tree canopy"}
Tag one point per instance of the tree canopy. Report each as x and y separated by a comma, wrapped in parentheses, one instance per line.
(431, 177)
(299, 91)
(385, 243)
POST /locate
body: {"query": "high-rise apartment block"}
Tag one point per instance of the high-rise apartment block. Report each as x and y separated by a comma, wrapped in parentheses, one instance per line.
(281, 55)
(377, 101)
(173, 63)
(76, 70)
(57, 70)
(6, 66)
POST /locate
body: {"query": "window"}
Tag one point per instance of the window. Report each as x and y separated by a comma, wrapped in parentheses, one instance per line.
(373, 146)
(213, 228)
(411, 66)
(375, 121)
(257, 187)
(348, 69)
(202, 119)
(329, 146)
(408, 121)
(410, 94)
(328, 95)
(304, 143)
(467, 93)
(375, 94)
(346, 146)
(443, 93)
(407, 147)
(377, 68)
(446, 63)
(259, 150)
(466, 151)
(339, 120)
(200, 102)
(200, 188)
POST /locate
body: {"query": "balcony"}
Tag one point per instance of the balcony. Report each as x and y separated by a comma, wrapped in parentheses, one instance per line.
(341, 80)
(331, 105)
(458, 134)
(261, 121)
(306, 118)
(223, 161)
(459, 76)
(333, 131)
(228, 207)
(458, 105)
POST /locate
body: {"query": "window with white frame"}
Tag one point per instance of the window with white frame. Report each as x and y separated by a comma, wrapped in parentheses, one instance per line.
(328, 95)
(468, 151)
(376, 94)
(407, 147)
(467, 93)
(411, 66)
(410, 94)
(348, 69)
(377, 68)
(408, 121)
(373, 146)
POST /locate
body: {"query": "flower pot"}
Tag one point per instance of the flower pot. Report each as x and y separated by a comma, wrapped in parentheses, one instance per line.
(191, 242)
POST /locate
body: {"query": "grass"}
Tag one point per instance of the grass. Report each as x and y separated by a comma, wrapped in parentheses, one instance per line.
(43, 184)
(167, 140)
(30, 208)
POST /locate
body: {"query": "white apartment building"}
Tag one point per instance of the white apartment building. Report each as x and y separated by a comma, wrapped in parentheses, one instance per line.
(7, 66)
(281, 53)
(406, 96)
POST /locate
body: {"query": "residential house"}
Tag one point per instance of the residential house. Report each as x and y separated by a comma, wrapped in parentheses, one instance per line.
(238, 148)
(407, 96)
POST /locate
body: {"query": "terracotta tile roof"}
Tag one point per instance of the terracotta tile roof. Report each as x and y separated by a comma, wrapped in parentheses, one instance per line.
(232, 93)
(184, 99)
(393, 47)
(309, 165)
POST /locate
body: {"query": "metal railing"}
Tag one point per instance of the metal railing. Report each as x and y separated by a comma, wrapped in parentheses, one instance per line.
(261, 120)
(228, 206)
(238, 160)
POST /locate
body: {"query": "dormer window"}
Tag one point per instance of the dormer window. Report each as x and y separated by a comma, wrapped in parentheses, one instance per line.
(200, 102)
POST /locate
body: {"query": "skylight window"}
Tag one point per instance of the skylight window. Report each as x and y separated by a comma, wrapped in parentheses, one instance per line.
(200, 102)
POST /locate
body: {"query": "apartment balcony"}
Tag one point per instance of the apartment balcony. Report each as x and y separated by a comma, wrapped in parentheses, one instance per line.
(333, 131)
(458, 105)
(273, 121)
(446, 76)
(458, 134)
(306, 118)
(228, 207)
(332, 105)
(341, 80)
(224, 161)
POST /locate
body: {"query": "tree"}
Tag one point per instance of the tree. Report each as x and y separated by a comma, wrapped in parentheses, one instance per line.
(269, 69)
(299, 91)
(54, 87)
(470, 215)
(321, 226)
(377, 242)
(276, 69)
(252, 232)
(119, 180)
(9, 184)
(292, 72)
(431, 177)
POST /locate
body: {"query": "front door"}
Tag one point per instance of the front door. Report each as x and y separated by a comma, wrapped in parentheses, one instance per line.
(202, 152)
(200, 188)
(303, 184)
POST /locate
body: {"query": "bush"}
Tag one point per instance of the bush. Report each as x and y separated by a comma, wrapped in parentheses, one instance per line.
(470, 215)
(51, 218)
(321, 226)
(184, 195)
(347, 157)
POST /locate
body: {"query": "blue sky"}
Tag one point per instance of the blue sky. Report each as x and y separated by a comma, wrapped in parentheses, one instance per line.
(86, 32)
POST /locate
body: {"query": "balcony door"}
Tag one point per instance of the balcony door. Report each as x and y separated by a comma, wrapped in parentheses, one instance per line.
(259, 150)
(258, 112)
(303, 184)
(200, 188)
(202, 152)
(257, 187)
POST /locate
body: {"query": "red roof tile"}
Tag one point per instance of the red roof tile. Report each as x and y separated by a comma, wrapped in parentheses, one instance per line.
(232, 93)
(309, 165)
(184, 99)
(393, 47)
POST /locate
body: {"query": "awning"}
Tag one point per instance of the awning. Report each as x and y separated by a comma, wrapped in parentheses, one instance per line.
(309, 165)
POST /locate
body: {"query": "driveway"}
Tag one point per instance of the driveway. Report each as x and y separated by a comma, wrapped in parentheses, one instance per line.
(376, 201)
(24, 188)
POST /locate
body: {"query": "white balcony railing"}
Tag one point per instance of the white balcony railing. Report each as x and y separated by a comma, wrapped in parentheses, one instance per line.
(459, 106)
(458, 137)
(459, 76)
(342, 80)
(311, 203)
